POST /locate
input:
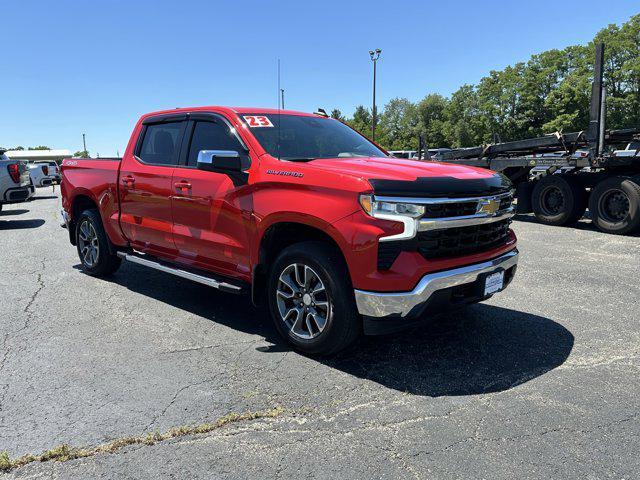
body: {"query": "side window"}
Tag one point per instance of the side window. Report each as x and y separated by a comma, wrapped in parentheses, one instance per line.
(209, 135)
(161, 143)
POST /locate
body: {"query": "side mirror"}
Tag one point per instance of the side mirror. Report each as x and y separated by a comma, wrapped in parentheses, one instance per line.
(221, 160)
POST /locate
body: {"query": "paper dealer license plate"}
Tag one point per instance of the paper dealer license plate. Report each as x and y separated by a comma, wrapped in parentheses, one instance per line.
(494, 282)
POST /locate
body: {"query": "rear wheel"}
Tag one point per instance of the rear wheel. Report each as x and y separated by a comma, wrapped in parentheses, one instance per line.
(311, 299)
(558, 200)
(615, 205)
(93, 246)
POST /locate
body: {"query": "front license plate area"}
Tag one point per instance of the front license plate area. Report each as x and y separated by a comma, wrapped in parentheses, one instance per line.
(493, 282)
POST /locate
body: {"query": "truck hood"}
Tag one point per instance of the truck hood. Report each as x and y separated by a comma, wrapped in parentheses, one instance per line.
(401, 177)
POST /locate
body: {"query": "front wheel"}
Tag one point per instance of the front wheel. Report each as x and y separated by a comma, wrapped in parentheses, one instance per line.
(311, 299)
(93, 246)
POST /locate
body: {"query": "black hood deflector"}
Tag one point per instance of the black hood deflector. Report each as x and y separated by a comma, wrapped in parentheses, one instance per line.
(437, 187)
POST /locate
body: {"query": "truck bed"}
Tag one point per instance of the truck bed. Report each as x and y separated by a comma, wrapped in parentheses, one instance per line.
(97, 180)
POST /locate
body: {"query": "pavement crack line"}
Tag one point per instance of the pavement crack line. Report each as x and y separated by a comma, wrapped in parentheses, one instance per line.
(530, 435)
(6, 349)
(204, 347)
(173, 400)
(65, 452)
(32, 299)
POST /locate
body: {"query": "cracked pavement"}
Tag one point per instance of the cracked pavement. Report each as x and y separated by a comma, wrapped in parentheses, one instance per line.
(539, 382)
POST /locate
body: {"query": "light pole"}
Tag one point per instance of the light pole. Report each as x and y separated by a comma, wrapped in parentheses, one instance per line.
(375, 55)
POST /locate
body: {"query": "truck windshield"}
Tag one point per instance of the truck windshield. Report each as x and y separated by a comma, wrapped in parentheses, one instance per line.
(304, 138)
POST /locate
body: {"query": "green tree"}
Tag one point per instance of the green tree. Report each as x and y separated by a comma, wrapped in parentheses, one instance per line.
(39, 147)
(463, 126)
(361, 120)
(398, 127)
(337, 114)
(547, 93)
(82, 154)
(431, 120)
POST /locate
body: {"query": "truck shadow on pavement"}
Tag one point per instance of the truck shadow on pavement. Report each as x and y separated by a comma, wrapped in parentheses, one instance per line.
(480, 349)
(17, 211)
(20, 224)
(44, 197)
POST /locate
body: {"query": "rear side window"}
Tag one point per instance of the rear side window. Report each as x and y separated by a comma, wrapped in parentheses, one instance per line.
(208, 135)
(161, 143)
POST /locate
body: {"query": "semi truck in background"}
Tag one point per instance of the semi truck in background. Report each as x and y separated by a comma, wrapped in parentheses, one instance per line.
(559, 175)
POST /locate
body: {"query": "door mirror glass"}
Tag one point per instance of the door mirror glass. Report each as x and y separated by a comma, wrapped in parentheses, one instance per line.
(217, 160)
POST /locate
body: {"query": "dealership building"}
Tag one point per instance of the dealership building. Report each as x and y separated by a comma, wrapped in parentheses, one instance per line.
(38, 155)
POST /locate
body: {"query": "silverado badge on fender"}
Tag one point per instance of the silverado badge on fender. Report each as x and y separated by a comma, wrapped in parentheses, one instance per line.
(285, 173)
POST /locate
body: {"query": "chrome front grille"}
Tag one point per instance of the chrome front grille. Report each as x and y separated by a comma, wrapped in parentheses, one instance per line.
(468, 212)
(453, 227)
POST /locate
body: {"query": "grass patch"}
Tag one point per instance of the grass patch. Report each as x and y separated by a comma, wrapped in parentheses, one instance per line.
(65, 452)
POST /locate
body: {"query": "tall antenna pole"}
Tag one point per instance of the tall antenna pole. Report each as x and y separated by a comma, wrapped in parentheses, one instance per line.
(279, 117)
(375, 55)
(282, 95)
(279, 106)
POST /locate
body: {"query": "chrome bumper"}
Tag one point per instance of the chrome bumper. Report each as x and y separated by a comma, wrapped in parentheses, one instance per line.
(401, 304)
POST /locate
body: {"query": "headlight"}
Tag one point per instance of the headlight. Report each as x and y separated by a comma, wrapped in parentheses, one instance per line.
(406, 213)
(379, 209)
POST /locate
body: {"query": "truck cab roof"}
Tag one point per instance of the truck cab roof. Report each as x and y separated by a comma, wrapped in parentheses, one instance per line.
(231, 110)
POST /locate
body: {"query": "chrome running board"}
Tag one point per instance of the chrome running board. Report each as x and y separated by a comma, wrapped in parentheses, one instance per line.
(152, 262)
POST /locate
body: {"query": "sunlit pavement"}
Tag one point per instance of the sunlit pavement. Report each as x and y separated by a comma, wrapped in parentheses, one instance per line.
(541, 381)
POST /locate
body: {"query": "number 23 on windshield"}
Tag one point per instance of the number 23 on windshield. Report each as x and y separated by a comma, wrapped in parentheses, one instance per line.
(255, 121)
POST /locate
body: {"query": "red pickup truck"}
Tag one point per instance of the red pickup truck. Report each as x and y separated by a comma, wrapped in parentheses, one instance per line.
(297, 210)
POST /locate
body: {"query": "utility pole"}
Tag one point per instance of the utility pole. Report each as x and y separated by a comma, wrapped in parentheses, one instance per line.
(282, 95)
(375, 55)
(84, 142)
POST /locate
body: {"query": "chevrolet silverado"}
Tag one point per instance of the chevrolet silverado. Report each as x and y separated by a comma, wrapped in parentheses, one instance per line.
(300, 212)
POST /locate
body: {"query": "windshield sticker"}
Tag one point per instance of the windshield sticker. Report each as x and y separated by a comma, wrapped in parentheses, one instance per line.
(255, 121)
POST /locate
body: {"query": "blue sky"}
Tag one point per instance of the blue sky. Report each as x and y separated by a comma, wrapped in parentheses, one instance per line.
(71, 67)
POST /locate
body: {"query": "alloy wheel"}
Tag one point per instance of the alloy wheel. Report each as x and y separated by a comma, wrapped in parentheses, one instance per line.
(88, 244)
(303, 302)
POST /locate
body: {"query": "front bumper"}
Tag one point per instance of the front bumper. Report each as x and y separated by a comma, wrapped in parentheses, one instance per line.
(409, 305)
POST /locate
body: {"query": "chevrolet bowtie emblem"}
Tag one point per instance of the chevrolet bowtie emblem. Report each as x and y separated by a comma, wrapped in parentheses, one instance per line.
(488, 207)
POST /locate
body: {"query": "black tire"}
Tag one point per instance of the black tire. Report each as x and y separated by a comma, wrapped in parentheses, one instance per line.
(342, 324)
(615, 205)
(103, 263)
(558, 200)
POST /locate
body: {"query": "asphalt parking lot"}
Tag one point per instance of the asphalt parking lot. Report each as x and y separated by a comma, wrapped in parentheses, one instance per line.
(541, 381)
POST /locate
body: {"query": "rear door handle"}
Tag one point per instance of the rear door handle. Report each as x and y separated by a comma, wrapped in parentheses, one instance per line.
(182, 185)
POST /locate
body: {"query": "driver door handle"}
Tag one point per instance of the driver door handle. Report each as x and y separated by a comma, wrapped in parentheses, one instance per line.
(128, 180)
(182, 185)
